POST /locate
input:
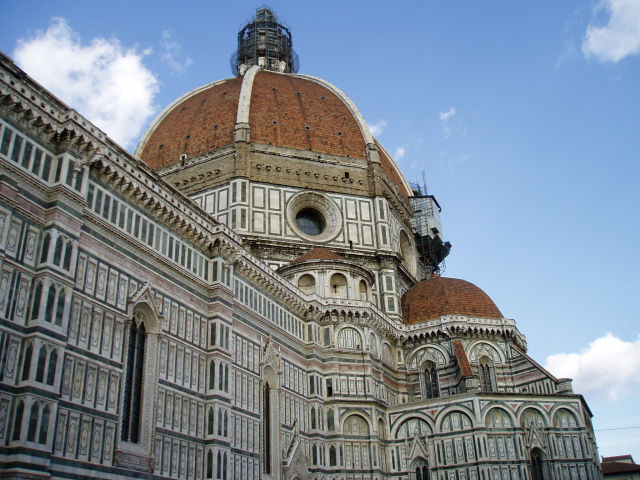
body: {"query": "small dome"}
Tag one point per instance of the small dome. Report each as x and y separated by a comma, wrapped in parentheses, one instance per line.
(439, 296)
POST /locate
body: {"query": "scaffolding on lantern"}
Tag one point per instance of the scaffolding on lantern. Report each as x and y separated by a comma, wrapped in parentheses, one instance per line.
(265, 42)
(425, 221)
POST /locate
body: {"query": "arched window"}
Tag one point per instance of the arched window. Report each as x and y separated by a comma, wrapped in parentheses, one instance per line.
(220, 376)
(219, 465)
(131, 405)
(431, 383)
(17, 423)
(210, 421)
(51, 300)
(363, 290)
(26, 365)
(45, 248)
(209, 464)
(212, 375)
(266, 415)
(224, 466)
(313, 417)
(33, 422)
(330, 420)
(42, 359)
(37, 297)
(487, 375)
(538, 464)
(226, 424)
(60, 307)
(220, 421)
(51, 370)
(332, 456)
(226, 378)
(356, 425)
(66, 264)
(44, 425)
(387, 356)
(58, 251)
(350, 338)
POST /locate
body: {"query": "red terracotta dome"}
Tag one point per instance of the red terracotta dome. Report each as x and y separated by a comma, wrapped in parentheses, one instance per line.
(438, 296)
(281, 109)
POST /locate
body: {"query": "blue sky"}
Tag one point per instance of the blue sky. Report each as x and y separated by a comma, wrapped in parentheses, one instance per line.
(525, 117)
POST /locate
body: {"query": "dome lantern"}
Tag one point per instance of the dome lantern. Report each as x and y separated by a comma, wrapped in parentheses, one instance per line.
(266, 43)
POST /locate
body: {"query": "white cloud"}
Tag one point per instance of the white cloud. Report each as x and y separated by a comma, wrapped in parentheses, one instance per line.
(620, 37)
(608, 366)
(376, 129)
(399, 153)
(171, 52)
(444, 121)
(103, 81)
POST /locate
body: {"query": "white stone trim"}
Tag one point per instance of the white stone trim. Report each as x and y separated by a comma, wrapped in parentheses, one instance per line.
(244, 101)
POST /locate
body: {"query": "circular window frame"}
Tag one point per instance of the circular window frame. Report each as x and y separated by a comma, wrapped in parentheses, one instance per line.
(324, 206)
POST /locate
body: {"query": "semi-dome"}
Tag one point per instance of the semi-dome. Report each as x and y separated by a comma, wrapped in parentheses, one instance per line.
(288, 110)
(439, 296)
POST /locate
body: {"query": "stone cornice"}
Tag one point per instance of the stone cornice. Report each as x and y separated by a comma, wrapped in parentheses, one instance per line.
(454, 325)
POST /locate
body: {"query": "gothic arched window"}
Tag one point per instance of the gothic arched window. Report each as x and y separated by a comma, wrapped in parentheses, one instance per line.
(487, 375)
(26, 366)
(57, 251)
(330, 419)
(266, 405)
(60, 308)
(332, 456)
(210, 464)
(212, 375)
(17, 423)
(45, 248)
(42, 359)
(313, 417)
(44, 425)
(37, 296)
(33, 422)
(210, 421)
(51, 300)
(66, 264)
(51, 371)
(431, 381)
(132, 401)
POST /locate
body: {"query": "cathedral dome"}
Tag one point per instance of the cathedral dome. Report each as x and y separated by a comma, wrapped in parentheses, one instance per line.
(287, 110)
(439, 296)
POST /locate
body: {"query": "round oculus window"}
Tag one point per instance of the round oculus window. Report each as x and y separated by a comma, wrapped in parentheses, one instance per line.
(310, 221)
(314, 216)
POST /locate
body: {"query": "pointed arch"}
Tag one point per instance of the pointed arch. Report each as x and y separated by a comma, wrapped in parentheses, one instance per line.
(431, 380)
(26, 362)
(44, 425)
(17, 422)
(60, 307)
(33, 421)
(140, 378)
(42, 360)
(51, 369)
